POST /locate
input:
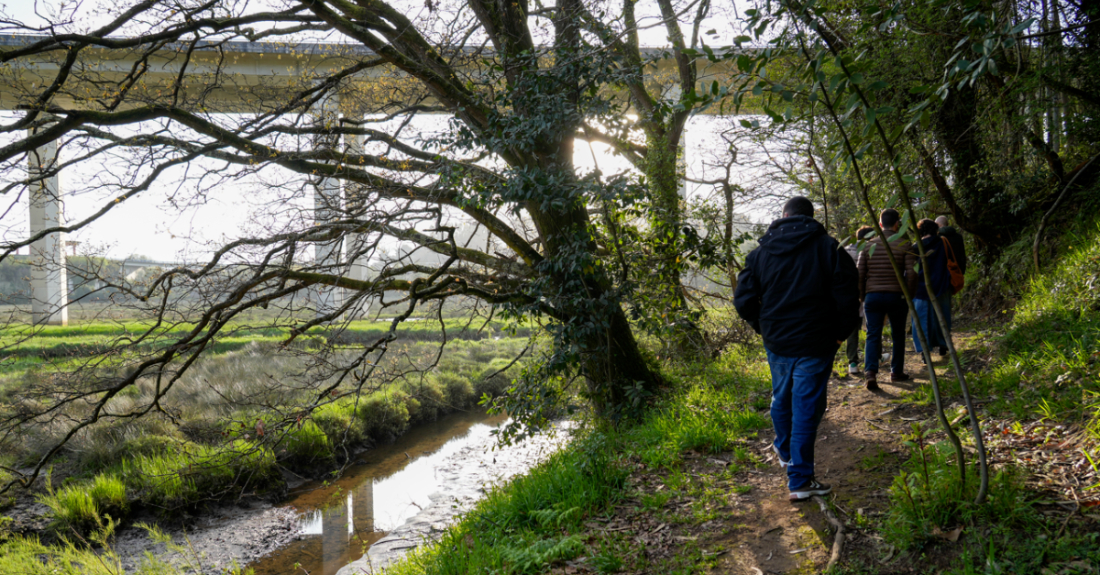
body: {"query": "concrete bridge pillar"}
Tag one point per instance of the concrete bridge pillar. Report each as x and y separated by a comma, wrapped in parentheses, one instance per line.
(336, 530)
(354, 196)
(362, 507)
(49, 281)
(328, 207)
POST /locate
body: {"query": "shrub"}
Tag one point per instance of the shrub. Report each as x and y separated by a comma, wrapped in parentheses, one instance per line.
(384, 416)
(339, 423)
(424, 401)
(491, 383)
(458, 391)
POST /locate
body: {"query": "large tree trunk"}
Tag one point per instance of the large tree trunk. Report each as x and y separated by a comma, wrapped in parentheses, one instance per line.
(663, 177)
(617, 375)
(610, 360)
(664, 188)
(955, 127)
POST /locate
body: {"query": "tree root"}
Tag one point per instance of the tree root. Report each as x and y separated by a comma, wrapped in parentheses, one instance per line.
(838, 539)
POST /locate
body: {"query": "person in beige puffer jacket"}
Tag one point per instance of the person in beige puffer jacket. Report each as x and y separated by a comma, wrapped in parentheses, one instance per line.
(882, 299)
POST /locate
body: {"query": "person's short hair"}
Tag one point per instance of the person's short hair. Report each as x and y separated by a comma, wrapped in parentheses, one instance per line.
(941, 221)
(863, 232)
(889, 217)
(927, 227)
(798, 206)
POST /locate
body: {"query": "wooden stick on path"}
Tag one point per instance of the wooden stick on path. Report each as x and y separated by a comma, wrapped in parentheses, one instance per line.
(838, 540)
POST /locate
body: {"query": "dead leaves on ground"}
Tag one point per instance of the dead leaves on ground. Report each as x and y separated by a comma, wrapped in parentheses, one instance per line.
(1055, 457)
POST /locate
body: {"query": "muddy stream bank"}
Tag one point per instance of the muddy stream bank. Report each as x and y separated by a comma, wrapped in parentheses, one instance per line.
(390, 501)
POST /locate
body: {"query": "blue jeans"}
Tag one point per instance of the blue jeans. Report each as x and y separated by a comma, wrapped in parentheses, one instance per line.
(945, 305)
(878, 306)
(930, 322)
(799, 394)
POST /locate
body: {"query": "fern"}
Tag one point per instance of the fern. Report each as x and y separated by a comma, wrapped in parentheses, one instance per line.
(534, 557)
(555, 516)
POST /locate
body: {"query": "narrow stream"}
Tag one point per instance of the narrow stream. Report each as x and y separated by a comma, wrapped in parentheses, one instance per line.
(408, 480)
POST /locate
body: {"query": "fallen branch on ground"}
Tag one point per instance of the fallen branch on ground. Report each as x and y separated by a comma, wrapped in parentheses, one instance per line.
(838, 540)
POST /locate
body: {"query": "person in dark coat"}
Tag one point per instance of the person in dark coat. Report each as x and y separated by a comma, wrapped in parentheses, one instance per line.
(958, 247)
(958, 251)
(798, 290)
(936, 254)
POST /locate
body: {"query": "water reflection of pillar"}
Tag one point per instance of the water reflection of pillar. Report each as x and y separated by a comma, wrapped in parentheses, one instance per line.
(362, 509)
(334, 536)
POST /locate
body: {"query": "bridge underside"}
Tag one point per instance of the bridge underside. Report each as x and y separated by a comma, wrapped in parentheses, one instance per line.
(232, 78)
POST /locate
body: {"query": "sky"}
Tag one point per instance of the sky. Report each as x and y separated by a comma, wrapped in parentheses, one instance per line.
(148, 226)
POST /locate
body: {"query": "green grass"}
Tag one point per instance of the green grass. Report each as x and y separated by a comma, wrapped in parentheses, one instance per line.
(54, 347)
(525, 526)
(1004, 535)
(171, 476)
(28, 556)
(192, 473)
(81, 506)
(1004, 551)
(928, 497)
(537, 521)
(1044, 364)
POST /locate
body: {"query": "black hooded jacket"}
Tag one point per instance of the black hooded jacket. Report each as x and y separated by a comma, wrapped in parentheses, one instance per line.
(799, 289)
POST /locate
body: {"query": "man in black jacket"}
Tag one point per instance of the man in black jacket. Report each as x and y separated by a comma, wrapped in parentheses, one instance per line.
(800, 291)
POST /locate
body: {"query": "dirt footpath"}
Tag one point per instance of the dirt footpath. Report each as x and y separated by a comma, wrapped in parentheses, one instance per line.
(732, 515)
(859, 451)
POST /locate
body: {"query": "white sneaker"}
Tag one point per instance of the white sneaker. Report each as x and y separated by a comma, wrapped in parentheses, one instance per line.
(782, 463)
(813, 488)
(853, 369)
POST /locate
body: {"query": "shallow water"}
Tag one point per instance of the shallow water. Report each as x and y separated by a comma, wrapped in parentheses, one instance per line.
(340, 520)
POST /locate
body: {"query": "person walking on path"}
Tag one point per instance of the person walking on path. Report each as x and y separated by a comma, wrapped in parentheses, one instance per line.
(954, 238)
(798, 290)
(936, 254)
(883, 299)
(958, 252)
(852, 345)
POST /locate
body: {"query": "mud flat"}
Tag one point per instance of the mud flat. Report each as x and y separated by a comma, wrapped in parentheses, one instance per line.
(393, 499)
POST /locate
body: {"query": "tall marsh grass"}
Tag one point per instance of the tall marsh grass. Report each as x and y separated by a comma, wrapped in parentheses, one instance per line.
(227, 422)
(81, 506)
(192, 473)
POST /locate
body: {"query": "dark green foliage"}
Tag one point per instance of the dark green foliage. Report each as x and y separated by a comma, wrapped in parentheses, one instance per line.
(308, 445)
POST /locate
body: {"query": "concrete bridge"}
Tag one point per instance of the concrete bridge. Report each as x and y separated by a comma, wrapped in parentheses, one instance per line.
(246, 74)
